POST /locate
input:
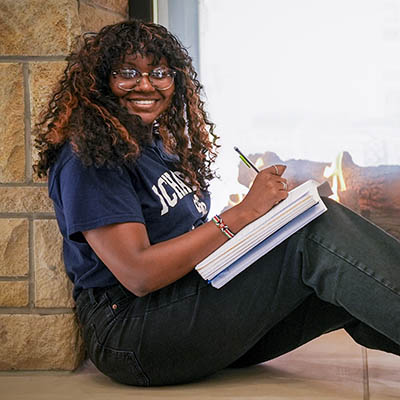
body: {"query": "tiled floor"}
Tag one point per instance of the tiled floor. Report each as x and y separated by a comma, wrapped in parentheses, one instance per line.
(331, 367)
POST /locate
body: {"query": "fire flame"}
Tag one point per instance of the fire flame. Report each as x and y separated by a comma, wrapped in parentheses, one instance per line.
(335, 172)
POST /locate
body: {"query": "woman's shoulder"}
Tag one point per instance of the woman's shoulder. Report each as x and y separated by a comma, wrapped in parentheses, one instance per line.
(64, 156)
(69, 159)
(69, 167)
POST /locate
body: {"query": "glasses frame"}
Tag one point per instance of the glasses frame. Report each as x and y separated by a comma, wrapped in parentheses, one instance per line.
(137, 80)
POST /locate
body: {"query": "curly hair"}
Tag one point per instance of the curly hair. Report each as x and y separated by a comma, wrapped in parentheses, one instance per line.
(84, 111)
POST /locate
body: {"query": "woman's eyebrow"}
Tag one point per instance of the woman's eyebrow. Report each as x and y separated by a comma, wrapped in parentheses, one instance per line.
(131, 65)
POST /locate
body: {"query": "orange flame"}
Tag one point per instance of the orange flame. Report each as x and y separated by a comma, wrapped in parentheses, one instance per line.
(335, 172)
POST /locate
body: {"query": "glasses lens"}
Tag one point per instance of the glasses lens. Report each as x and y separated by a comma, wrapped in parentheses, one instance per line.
(161, 78)
(129, 73)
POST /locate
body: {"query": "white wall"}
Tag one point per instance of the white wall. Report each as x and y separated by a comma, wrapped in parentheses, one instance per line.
(303, 78)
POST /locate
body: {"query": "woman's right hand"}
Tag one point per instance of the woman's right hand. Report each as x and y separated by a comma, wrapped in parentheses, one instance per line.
(267, 190)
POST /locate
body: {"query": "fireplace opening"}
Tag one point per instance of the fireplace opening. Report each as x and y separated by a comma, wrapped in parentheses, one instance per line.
(373, 192)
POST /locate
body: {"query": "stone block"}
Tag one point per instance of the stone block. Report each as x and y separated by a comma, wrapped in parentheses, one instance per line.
(38, 27)
(25, 199)
(12, 134)
(93, 18)
(52, 286)
(14, 242)
(42, 80)
(14, 294)
(118, 6)
(40, 342)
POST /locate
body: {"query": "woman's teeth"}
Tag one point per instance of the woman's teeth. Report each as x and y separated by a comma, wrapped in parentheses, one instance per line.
(144, 102)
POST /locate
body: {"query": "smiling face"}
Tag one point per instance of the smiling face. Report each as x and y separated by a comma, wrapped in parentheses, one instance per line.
(142, 99)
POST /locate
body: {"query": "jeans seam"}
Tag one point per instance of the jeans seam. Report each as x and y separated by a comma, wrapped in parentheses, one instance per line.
(315, 239)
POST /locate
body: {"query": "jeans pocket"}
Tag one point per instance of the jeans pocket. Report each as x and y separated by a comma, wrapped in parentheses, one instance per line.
(120, 365)
(87, 306)
(117, 304)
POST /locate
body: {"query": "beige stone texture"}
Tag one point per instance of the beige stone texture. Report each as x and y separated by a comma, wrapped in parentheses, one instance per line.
(38, 27)
(14, 294)
(52, 286)
(14, 254)
(94, 18)
(12, 135)
(118, 6)
(24, 199)
(39, 342)
(43, 78)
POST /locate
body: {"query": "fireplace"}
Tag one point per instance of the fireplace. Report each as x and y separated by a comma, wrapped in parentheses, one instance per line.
(373, 192)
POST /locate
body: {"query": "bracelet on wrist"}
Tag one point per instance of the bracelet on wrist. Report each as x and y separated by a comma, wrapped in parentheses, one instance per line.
(222, 226)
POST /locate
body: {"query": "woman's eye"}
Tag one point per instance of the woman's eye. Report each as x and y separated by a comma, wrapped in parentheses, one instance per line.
(129, 73)
(159, 73)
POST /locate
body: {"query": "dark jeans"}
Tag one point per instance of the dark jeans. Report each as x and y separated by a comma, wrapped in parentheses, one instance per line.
(338, 272)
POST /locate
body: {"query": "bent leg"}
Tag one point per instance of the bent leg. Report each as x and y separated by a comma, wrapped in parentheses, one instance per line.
(368, 337)
(353, 264)
(310, 320)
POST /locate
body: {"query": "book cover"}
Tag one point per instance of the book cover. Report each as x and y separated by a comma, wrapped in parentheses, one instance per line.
(302, 205)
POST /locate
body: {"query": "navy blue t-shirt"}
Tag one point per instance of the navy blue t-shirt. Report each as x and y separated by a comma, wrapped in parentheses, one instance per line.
(149, 191)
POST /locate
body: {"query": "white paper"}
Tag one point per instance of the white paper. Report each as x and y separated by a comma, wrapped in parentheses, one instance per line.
(301, 206)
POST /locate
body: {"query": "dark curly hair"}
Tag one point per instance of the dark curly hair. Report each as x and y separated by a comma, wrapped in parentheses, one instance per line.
(84, 111)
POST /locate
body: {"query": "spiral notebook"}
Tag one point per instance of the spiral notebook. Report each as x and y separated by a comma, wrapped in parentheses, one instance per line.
(302, 205)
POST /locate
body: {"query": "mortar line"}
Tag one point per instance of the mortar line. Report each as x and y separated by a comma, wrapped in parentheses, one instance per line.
(31, 274)
(27, 121)
(15, 278)
(26, 59)
(24, 184)
(34, 215)
(36, 311)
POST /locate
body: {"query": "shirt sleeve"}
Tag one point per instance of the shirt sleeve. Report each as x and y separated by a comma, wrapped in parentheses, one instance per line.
(92, 197)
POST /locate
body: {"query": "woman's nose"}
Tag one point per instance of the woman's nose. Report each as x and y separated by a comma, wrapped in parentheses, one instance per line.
(144, 84)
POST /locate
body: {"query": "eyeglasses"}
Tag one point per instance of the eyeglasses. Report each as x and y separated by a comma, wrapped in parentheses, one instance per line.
(160, 78)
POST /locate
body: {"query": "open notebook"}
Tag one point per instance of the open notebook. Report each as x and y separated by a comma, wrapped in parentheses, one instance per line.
(302, 205)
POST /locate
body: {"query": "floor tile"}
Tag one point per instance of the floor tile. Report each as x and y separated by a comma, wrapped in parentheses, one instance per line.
(384, 375)
(328, 368)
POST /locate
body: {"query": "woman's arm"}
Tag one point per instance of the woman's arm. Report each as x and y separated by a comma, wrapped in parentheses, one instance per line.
(143, 268)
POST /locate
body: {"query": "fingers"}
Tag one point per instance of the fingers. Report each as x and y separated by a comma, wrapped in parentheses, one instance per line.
(277, 169)
(283, 189)
(284, 184)
(273, 185)
(268, 188)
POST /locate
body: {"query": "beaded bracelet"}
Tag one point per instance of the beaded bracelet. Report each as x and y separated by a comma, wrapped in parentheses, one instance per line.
(224, 228)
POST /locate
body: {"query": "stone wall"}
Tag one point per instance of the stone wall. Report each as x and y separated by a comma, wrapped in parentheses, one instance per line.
(38, 328)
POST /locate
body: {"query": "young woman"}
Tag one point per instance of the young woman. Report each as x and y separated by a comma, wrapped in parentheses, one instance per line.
(128, 150)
